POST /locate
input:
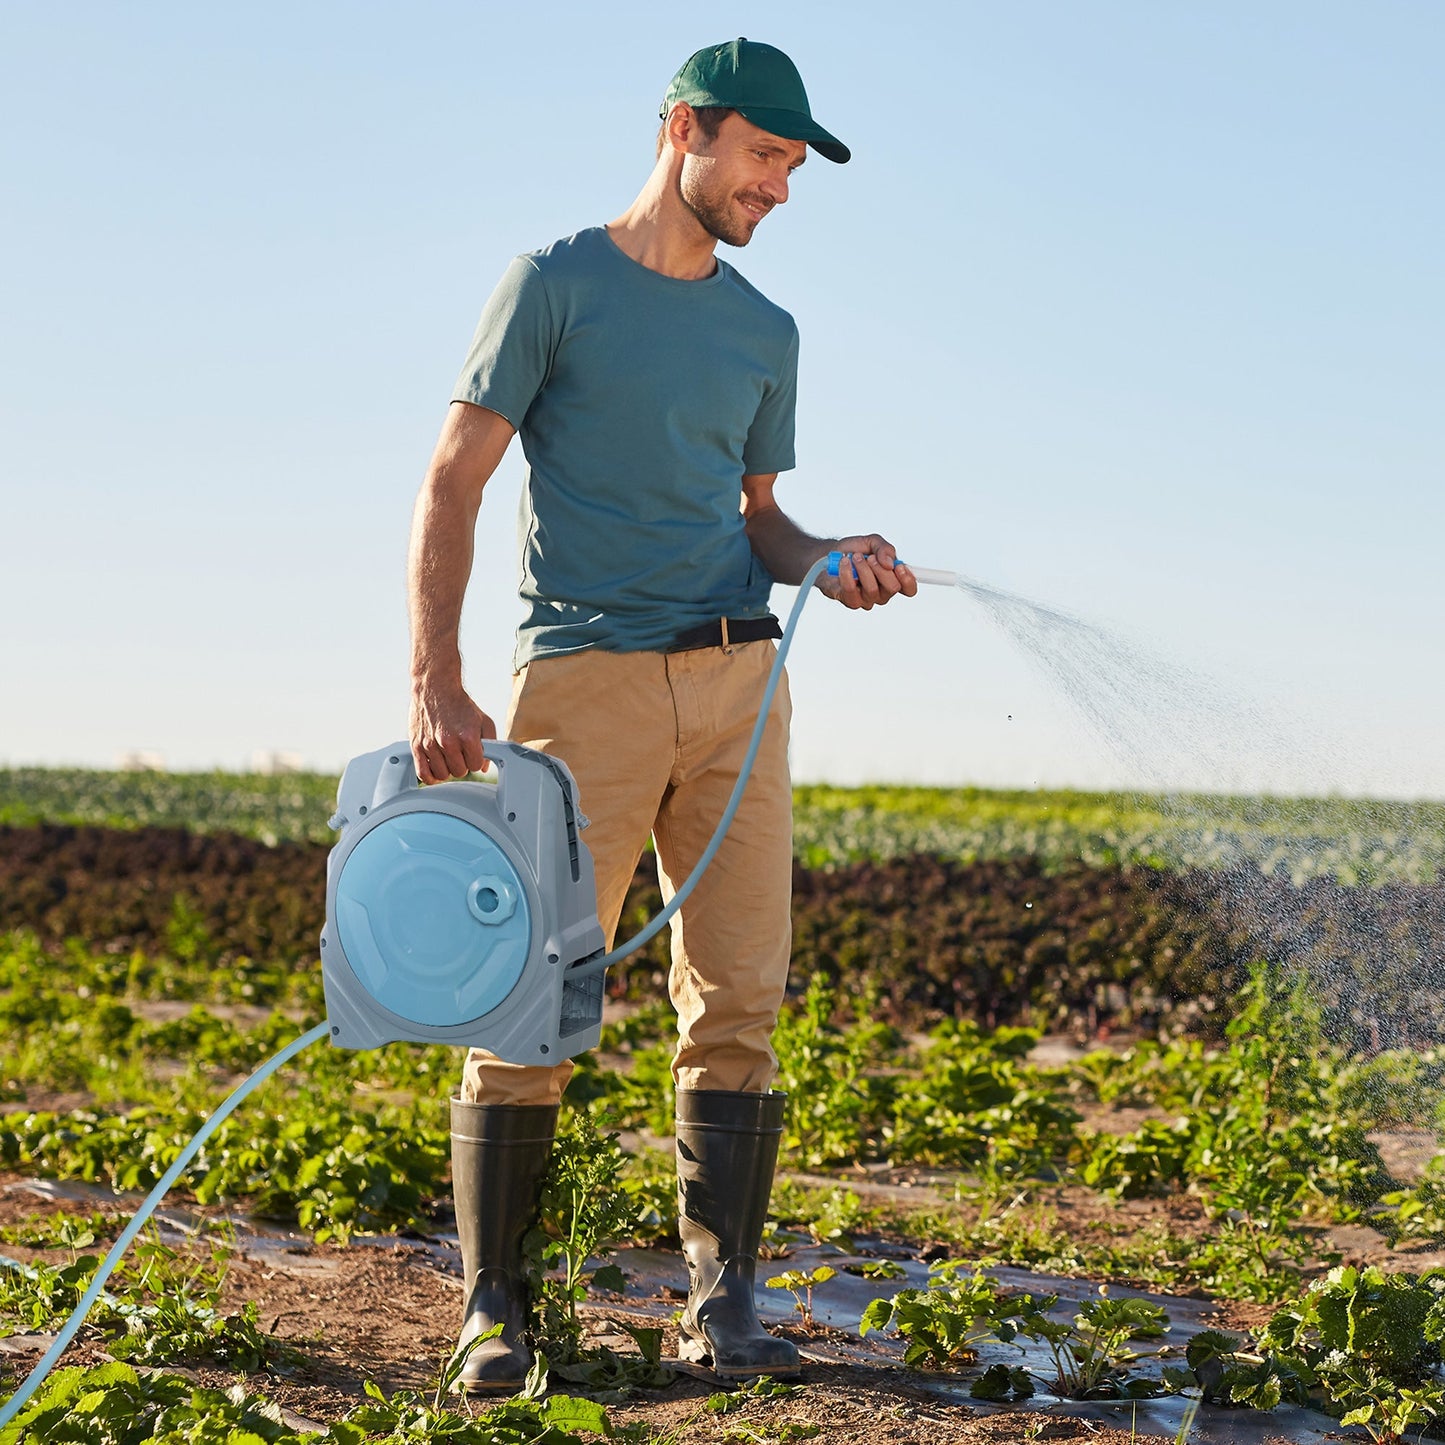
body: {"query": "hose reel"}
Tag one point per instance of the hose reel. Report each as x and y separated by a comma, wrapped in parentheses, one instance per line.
(455, 912)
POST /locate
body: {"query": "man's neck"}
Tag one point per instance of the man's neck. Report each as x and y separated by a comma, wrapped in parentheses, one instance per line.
(659, 232)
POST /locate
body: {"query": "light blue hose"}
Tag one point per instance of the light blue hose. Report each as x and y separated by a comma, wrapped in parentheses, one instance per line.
(597, 965)
(16, 1402)
(652, 929)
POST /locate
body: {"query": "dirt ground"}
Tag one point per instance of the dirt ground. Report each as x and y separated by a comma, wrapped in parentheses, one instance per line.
(385, 1312)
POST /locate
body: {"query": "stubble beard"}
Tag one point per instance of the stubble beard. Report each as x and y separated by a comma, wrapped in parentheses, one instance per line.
(714, 213)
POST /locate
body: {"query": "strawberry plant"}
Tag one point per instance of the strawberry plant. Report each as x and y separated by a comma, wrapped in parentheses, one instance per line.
(1092, 1352)
(945, 1323)
(1371, 1341)
(800, 1284)
(1229, 1375)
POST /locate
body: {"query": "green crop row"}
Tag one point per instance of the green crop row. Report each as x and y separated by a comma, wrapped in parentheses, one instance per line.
(1352, 840)
(1268, 1127)
(1362, 1344)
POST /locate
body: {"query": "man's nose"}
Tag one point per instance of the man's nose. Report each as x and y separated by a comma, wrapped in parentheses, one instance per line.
(775, 188)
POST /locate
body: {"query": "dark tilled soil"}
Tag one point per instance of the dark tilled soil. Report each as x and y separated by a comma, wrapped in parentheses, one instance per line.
(381, 1313)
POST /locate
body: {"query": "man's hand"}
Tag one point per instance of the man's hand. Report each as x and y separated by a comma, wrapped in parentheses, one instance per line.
(447, 729)
(869, 575)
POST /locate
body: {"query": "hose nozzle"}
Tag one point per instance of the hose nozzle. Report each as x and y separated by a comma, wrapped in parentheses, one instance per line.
(931, 575)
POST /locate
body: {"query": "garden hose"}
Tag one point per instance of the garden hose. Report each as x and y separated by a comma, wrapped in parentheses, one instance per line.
(17, 1401)
(831, 564)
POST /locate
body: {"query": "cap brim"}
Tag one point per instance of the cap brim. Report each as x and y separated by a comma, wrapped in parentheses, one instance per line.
(794, 125)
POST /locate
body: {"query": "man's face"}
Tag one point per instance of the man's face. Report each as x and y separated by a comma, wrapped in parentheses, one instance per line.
(732, 181)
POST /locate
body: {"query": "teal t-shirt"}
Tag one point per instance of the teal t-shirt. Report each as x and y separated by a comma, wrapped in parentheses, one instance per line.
(641, 401)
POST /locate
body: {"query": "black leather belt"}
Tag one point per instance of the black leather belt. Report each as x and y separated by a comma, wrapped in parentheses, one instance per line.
(724, 633)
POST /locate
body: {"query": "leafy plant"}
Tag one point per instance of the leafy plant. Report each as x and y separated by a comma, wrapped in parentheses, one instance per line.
(974, 1100)
(783, 1434)
(610, 1377)
(836, 1099)
(583, 1212)
(1416, 1213)
(1003, 1382)
(160, 1309)
(1385, 1408)
(765, 1387)
(801, 1284)
(649, 1179)
(323, 1165)
(116, 1404)
(830, 1215)
(1091, 1353)
(58, 1231)
(39, 1296)
(1147, 1161)
(945, 1323)
(1228, 1375)
(1371, 1340)
(877, 1269)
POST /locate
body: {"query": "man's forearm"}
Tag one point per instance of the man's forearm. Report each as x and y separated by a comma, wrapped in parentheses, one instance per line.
(783, 547)
(443, 526)
(787, 551)
(439, 564)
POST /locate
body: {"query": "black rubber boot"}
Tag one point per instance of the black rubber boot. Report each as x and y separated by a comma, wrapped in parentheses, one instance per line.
(499, 1157)
(727, 1149)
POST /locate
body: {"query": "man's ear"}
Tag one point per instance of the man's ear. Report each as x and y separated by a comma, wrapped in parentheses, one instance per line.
(684, 134)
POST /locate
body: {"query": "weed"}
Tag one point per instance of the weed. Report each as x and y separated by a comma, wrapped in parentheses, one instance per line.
(1186, 1422)
(783, 1434)
(583, 1212)
(161, 1308)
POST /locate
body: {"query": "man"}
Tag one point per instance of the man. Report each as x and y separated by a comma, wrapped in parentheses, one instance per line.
(653, 388)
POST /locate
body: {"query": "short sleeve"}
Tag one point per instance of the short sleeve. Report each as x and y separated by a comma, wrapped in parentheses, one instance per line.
(769, 447)
(511, 352)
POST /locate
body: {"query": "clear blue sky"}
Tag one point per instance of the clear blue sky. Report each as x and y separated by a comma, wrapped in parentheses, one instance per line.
(1134, 307)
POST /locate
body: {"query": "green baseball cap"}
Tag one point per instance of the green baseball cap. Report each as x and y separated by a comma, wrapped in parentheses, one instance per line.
(761, 84)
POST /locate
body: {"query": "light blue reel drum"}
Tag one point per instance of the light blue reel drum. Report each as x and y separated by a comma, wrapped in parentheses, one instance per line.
(454, 912)
(433, 918)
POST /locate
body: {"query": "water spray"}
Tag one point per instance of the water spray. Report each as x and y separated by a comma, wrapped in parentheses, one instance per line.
(462, 913)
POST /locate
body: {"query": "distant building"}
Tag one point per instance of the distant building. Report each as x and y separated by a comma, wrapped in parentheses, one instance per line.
(270, 763)
(140, 761)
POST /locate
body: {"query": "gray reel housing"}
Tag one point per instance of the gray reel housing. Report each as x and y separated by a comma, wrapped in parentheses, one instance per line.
(454, 911)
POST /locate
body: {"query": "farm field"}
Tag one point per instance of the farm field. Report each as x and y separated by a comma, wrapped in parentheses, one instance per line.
(1351, 840)
(1059, 1033)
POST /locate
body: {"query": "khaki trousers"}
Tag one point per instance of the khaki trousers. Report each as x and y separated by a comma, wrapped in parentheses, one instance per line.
(655, 741)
